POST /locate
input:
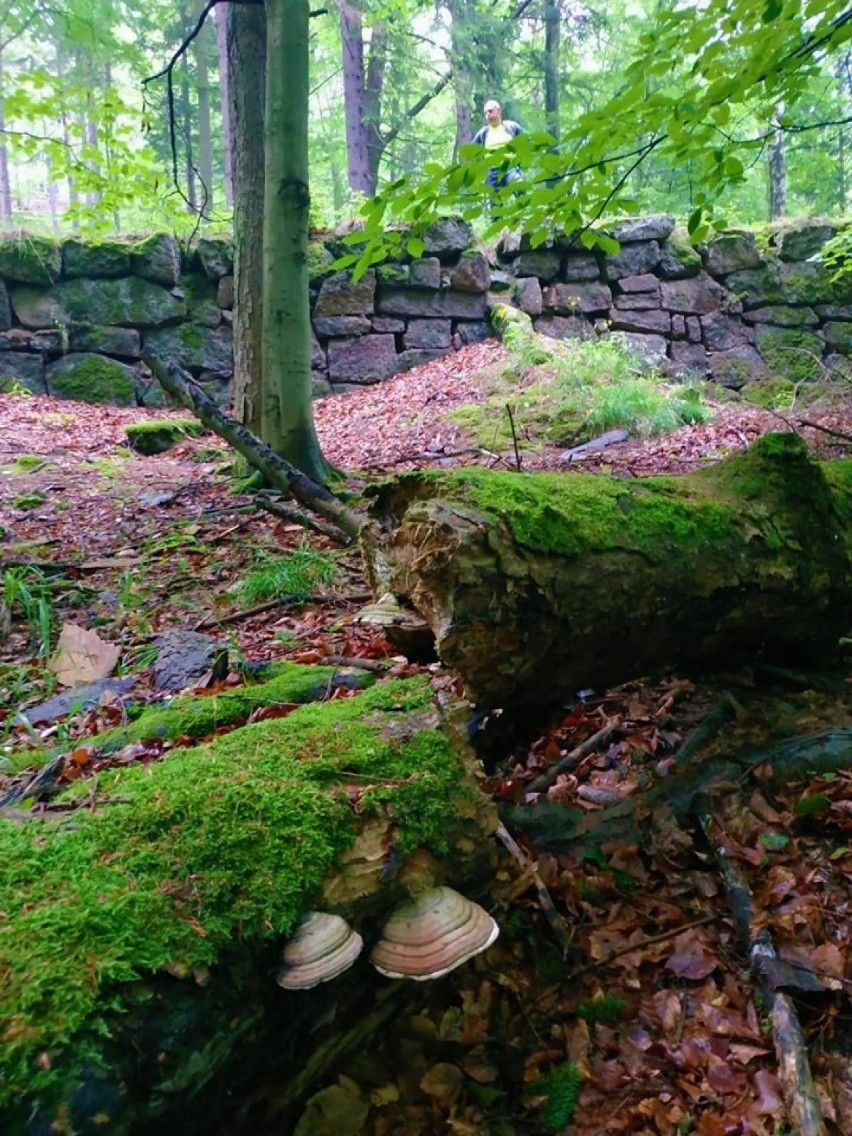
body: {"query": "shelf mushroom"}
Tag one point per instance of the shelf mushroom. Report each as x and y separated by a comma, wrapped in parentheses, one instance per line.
(431, 935)
(322, 947)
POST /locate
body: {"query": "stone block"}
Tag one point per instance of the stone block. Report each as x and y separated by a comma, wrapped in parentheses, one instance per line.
(541, 262)
(641, 322)
(340, 296)
(387, 325)
(156, 258)
(689, 357)
(652, 348)
(638, 301)
(720, 332)
(193, 346)
(568, 299)
(528, 295)
(21, 370)
(736, 367)
(86, 377)
(678, 260)
(95, 258)
(696, 296)
(431, 305)
(475, 332)
(579, 266)
(838, 336)
(783, 316)
(732, 251)
(425, 273)
(415, 358)
(431, 334)
(656, 228)
(5, 308)
(633, 260)
(364, 360)
(564, 327)
(127, 302)
(471, 274)
(216, 256)
(30, 259)
(798, 240)
(447, 238)
(122, 341)
(225, 293)
(340, 326)
(646, 282)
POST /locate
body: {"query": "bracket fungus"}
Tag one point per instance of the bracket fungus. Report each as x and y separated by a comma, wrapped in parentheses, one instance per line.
(431, 935)
(322, 947)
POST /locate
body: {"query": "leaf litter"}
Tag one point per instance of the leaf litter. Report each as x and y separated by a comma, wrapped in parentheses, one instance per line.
(651, 1005)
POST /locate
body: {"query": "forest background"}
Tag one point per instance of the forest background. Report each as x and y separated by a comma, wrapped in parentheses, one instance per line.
(87, 142)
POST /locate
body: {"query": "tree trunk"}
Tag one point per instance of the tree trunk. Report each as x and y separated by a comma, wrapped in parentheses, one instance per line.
(5, 185)
(205, 143)
(286, 413)
(246, 80)
(538, 586)
(777, 173)
(373, 105)
(220, 19)
(463, 84)
(552, 33)
(354, 97)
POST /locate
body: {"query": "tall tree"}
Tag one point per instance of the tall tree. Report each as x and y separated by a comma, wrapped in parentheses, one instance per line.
(205, 143)
(286, 415)
(552, 36)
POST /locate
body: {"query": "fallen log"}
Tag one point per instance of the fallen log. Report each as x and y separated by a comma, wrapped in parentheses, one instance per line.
(275, 469)
(142, 930)
(536, 586)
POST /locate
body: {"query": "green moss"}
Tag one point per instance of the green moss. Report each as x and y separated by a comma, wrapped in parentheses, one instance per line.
(190, 336)
(212, 847)
(683, 253)
(28, 501)
(29, 259)
(791, 353)
(771, 394)
(157, 437)
(93, 378)
(320, 261)
(26, 463)
(571, 515)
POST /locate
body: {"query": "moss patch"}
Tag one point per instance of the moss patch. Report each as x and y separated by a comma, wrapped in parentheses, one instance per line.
(92, 378)
(28, 501)
(790, 353)
(156, 437)
(30, 259)
(215, 846)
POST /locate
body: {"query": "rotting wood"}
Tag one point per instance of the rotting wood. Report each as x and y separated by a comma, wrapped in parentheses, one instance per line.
(535, 586)
(275, 469)
(794, 1072)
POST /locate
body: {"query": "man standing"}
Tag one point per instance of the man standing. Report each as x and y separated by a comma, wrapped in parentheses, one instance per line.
(495, 134)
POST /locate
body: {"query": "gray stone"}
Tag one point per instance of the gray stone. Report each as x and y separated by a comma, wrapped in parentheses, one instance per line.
(416, 358)
(364, 360)
(128, 302)
(656, 321)
(501, 281)
(783, 316)
(678, 327)
(696, 296)
(30, 259)
(508, 246)
(471, 274)
(86, 377)
(657, 228)
(476, 332)
(447, 238)
(732, 251)
(77, 699)
(225, 293)
(541, 262)
(633, 260)
(834, 311)
(757, 286)
(95, 258)
(432, 334)
(52, 344)
(651, 347)
(580, 266)
(216, 256)
(320, 386)
(122, 341)
(838, 336)
(5, 308)
(201, 302)
(193, 346)
(425, 273)
(647, 282)
(802, 239)
(20, 370)
(567, 299)
(805, 283)
(721, 332)
(528, 295)
(693, 329)
(340, 296)
(387, 325)
(678, 260)
(690, 357)
(564, 327)
(838, 367)
(790, 353)
(637, 301)
(340, 326)
(435, 305)
(156, 258)
(736, 367)
(218, 385)
(183, 657)
(318, 360)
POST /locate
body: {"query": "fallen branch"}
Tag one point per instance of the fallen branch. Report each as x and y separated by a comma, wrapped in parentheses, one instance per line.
(275, 469)
(571, 760)
(557, 923)
(794, 1072)
(297, 517)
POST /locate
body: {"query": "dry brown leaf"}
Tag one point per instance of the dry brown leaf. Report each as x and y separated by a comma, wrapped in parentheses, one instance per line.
(81, 656)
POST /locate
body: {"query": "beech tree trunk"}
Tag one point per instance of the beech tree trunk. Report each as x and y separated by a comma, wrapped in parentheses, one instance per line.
(205, 143)
(537, 586)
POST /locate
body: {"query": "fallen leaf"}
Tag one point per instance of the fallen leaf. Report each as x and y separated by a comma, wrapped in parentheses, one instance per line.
(81, 656)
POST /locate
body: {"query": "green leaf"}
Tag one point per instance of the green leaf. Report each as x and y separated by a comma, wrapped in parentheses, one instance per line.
(807, 806)
(694, 221)
(608, 244)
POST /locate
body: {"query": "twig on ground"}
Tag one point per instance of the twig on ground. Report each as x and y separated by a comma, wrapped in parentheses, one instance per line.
(555, 920)
(514, 438)
(377, 666)
(568, 763)
(270, 605)
(794, 1072)
(299, 517)
(650, 941)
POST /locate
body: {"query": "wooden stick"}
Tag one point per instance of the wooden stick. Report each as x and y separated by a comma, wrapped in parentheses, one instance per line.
(571, 760)
(557, 923)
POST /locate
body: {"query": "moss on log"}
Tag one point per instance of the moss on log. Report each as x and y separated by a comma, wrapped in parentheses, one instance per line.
(141, 928)
(538, 585)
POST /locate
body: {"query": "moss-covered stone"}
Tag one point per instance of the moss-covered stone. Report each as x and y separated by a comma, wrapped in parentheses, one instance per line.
(320, 260)
(790, 353)
(21, 373)
(95, 258)
(30, 259)
(91, 378)
(128, 301)
(201, 299)
(679, 259)
(150, 438)
(194, 346)
(183, 860)
(157, 258)
(771, 394)
(216, 256)
(28, 501)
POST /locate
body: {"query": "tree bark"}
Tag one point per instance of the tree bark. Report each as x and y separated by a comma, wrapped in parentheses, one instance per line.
(552, 35)
(5, 185)
(205, 143)
(220, 19)
(276, 470)
(777, 172)
(286, 413)
(538, 586)
(246, 71)
(354, 97)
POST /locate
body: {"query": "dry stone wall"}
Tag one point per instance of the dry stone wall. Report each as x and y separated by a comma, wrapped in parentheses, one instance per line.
(75, 316)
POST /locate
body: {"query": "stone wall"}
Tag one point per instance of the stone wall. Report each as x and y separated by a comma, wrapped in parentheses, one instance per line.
(75, 316)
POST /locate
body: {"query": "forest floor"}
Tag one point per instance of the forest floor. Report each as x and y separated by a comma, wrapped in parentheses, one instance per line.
(637, 977)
